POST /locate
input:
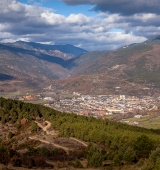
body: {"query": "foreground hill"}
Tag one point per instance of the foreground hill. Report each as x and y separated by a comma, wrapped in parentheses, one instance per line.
(81, 141)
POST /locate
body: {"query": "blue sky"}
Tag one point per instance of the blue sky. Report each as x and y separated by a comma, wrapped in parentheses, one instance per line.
(89, 24)
(62, 8)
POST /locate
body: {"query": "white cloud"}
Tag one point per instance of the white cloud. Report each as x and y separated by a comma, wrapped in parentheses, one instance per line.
(79, 19)
(52, 18)
(36, 23)
(145, 17)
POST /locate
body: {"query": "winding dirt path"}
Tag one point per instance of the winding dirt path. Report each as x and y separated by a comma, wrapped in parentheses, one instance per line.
(52, 143)
(46, 127)
(53, 133)
(39, 124)
(79, 141)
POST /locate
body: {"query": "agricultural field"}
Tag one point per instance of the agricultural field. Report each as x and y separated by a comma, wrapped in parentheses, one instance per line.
(147, 121)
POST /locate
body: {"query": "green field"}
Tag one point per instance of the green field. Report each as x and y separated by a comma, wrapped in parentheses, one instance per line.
(37, 101)
(12, 94)
(150, 121)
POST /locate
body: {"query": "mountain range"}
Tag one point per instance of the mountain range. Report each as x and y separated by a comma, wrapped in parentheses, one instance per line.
(131, 69)
(31, 64)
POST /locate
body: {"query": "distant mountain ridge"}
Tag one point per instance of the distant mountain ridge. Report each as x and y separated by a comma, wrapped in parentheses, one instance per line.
(35, 63)
(154, 40)
(100, 71)
(67, 49)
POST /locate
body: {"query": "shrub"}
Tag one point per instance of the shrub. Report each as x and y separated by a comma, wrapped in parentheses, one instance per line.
(27, 162)
(10, 135)
(78, 164)
(33, 127)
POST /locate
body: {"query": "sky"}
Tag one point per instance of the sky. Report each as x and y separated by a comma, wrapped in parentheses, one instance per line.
(89, 24)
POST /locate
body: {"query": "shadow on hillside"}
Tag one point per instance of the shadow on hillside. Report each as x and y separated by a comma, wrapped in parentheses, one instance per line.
(4, 77)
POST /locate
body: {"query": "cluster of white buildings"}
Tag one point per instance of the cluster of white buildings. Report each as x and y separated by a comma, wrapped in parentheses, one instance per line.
(106, 104)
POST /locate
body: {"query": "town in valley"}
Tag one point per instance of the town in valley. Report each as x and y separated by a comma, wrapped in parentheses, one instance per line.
(122, 108)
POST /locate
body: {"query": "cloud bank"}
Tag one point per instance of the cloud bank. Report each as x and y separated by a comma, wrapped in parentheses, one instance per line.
(124, 7)
(102, 32)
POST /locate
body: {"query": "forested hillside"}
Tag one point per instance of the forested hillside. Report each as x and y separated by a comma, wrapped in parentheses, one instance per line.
(111, 144)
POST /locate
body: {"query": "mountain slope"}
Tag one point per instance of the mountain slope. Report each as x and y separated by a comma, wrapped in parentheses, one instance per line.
(80, 61)
(139, 63)
(68, 50)
(154, 40)
(24, 67)
(132, 70)
(100, 71)
(34, 63)
(107, 60)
